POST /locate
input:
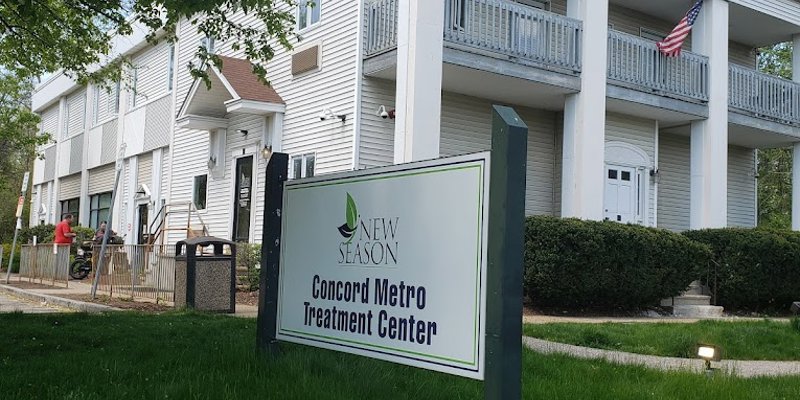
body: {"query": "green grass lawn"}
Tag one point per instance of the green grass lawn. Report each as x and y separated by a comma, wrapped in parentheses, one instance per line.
(745, 340)
(195, 356)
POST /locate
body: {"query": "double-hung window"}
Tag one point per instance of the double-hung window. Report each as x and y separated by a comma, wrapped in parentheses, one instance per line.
(308, 13)
(99, 206)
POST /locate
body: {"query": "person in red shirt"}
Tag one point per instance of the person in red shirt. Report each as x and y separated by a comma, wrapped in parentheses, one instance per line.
(64, 232)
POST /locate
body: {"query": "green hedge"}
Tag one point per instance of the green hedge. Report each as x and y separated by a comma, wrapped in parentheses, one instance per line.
(754, 269)
(574, 263)
(6, 254)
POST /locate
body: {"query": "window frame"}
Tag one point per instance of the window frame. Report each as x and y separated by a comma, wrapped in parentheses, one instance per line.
(304, 159)
(196, 192)
(309, 11)
(95, 209)
(69, 202)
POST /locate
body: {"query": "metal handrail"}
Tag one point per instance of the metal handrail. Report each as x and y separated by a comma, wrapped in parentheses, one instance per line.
(167, 209)
(764, 95)
(638, 62)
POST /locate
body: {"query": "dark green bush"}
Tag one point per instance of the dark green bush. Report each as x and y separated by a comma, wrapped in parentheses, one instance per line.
(43, 233)
(7, 254)
(754, 269)
(574, 263)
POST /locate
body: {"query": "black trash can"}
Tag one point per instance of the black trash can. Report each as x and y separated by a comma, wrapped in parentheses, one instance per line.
(205, 278)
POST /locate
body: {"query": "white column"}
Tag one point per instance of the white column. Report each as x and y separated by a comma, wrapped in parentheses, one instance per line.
(585, 118)
(796, 158)
(709, 140)
(419, 80)
(796, 188)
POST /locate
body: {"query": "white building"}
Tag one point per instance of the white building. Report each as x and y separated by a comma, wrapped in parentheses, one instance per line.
(616, 130)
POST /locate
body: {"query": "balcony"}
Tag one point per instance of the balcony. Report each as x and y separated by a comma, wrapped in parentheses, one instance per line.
(637, 64)
(763, 96)
(497, 28)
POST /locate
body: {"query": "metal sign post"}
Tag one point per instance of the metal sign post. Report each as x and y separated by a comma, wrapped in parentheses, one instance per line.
(277, 172)
(505, 254)
(101, 257)
(20, 204)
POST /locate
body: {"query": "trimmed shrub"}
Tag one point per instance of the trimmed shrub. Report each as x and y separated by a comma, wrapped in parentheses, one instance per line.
(248, 261)
(573, 263)
(753, 269)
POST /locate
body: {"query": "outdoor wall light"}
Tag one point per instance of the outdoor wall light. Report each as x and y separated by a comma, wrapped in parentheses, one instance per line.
(385, 114)
(327, 113)
(266, 152)
(212, 161)
(709, 353)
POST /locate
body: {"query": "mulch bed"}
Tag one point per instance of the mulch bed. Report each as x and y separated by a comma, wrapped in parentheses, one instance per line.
(247, 298)
(31, 285)
(124, 304)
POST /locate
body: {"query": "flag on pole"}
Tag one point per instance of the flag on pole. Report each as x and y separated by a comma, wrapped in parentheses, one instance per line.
(671, 45)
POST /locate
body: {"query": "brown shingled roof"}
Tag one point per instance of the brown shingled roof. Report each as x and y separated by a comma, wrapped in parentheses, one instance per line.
(239, 73)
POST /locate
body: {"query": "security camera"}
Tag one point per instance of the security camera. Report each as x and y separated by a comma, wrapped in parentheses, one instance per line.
(382, 112)
(325, 114)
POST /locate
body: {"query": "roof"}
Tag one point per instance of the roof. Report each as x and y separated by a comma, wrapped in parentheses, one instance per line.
(239, 74)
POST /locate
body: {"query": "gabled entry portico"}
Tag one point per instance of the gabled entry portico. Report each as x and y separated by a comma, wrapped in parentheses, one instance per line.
(243, 118)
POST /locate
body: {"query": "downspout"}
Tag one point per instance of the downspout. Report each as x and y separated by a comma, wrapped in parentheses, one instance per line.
(655, 178)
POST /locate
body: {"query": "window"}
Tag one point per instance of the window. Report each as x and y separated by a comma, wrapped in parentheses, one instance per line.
(134, 88)
(308, 13)
(199, 191)
(113, 104)
(208, 44)
(99, 206)
(303, 166)
(71, 206)
(170, 67)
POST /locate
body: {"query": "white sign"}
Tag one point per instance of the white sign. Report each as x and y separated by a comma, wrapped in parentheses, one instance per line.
(25, 182)
(389, 263)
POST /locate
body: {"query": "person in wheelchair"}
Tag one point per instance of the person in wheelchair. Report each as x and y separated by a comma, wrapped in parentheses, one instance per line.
(101, 231)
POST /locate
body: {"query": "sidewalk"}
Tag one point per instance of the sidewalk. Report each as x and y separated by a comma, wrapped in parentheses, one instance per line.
(59, 295)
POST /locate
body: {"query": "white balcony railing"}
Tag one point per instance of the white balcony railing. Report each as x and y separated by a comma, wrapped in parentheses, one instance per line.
(764, 95)
(636, 62)
(501, 27)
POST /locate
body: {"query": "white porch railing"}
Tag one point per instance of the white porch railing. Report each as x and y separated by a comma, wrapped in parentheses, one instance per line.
(511, 29)
(764, 95)
(502, 27)
(636, 62)
(381, 27)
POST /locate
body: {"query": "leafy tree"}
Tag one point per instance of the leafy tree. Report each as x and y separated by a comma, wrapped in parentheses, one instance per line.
(18, 142)
(44, 36)
(775, 165)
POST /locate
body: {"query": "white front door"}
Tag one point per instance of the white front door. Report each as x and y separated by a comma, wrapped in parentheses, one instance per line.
(621, 193)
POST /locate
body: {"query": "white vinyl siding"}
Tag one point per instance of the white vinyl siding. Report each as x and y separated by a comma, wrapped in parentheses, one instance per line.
(69, 187)
(49, 122)
(741, 187)
(787, 10)
(640, 133)
(101, 179)
(674, 182)
(151, 71)
(144, 166)
(376, 146)
(466, 128)
(76, 113)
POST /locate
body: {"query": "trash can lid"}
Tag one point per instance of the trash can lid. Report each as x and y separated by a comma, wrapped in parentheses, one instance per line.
(205, 241)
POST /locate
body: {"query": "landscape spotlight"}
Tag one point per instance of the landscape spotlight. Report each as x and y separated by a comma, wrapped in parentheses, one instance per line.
(709, 353)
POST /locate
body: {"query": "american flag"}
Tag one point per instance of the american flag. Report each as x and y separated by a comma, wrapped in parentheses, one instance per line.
(671, 45)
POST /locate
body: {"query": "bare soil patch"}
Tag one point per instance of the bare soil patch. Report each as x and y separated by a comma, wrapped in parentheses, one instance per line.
(125, 304)
(247, 298)
(31, 285)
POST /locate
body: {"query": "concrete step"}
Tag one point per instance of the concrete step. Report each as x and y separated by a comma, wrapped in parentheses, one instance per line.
(697, 311)
(687, 300)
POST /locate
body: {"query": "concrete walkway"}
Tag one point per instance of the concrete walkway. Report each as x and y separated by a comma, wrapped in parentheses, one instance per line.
(745, 369)
(9, 303)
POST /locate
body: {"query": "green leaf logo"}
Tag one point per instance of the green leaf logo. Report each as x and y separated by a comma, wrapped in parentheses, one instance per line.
(351, 217)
